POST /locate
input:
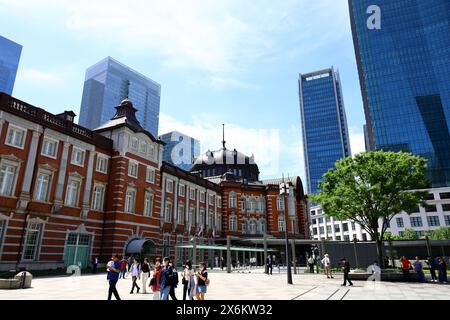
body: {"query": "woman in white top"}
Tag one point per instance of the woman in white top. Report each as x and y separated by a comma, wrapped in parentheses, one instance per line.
(188, 281)
(135, 271)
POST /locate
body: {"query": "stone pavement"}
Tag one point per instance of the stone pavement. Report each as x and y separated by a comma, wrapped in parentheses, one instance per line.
(236, 286)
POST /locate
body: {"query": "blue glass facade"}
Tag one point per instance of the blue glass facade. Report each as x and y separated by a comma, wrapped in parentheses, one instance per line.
(404, 68)
(324, 124)
(9, 62)
(180, 149)
(107, 83)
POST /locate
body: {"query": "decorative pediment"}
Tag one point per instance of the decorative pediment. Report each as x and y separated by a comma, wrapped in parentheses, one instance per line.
(10, 157)
(47, 167)
(75, 175)
(132, 184)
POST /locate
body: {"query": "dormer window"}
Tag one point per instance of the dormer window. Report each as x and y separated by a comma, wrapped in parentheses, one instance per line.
(134, 143)
(143, 147)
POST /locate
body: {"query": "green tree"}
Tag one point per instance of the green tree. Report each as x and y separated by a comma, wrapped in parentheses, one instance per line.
(409, 234)
(441, 234)
(371, 188)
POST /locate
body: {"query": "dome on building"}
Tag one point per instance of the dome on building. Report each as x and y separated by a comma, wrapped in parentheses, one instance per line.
(224, 161)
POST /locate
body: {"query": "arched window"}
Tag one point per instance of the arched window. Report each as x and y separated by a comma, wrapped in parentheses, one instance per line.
(262, 226)
(244, 227)
(232, 200)
(253, 227)
(219, 222)
(281, 224)
(233, 223)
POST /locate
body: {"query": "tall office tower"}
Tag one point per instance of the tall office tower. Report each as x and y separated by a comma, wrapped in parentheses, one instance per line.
(324, 124)
(180, 149)
(9, 62)
(107, 83)
(403, 54)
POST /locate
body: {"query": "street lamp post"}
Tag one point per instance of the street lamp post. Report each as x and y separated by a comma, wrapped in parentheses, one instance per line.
(284, 191)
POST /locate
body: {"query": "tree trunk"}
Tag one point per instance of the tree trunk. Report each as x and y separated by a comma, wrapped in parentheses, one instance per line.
(379, 243)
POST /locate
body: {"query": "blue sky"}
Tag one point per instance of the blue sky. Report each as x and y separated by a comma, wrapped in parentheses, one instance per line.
(222, 61)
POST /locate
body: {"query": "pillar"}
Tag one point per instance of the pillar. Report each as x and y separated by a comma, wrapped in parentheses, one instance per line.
(294, 258)
(194, 251)
(228, 254)
(265, 252)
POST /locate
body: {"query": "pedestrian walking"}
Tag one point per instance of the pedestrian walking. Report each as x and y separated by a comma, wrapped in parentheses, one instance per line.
(375, 270)
(406, 266)
(165, 279)
(94, 265)
(135, 271)
(311, 263)
(113, 268)
(202, 281)
(346, 268)
(130, 261)
(188, 281)
(145, 273)
(442, 267)
(326, 262)
(432, 265)
(418, 267)
(123, 268)
(154, 282)
(269, 264)
(173, 282)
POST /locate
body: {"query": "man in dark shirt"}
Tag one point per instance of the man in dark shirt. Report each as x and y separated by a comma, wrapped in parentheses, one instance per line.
(113, 276)
(165, 281)
(346, 268)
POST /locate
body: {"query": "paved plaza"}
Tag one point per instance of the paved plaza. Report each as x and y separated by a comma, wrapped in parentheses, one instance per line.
(237, 286)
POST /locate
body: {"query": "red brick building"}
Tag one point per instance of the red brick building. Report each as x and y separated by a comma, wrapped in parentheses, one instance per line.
(69, 194)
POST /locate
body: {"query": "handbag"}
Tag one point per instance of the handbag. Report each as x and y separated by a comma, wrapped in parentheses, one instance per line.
(183, 281)
(152, 281)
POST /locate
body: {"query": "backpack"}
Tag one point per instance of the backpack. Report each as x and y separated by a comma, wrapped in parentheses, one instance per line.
(174, 279)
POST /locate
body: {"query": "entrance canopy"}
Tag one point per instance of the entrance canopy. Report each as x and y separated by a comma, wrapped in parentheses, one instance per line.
(222, 248)
(136, 246)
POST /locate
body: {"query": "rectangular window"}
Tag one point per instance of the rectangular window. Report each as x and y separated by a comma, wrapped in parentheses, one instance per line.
(322, 230)
(148, 204)
(338, 238)
(447, 220)
(191, 215)
(431, 208)
(42, 187)
(98, 197)
(15, 137)
(168, 212)
(233, 223)
(329, 229)
(133, 168)
(346, 238)
(180, 214)
(202, 197)
(430, 196)
(314, 221)
(211, 199)
(218, 222)
(169, 186)
(219, 202)
(102, 164)
(73, 190)
(181, 190)
(320, 220)
(130, 200)
(150, 175)
(445, 195)
(314, 231)
(32, 240)
(77, 157)
(433, 221)
(446, 207)
(143, 147)
(416, 222)
(353, 226)
(192, 194)
(134, 143)
(280, 203)
(232, 201)
(337, 228)
(281, 224)
(49, 148)
(345, 226)
(400, 223)
(7, 179)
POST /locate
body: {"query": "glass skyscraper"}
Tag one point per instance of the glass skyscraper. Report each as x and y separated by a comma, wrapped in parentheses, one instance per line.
(109, 82)
(9, 62)
(403, 54)
(180, 149)
(324, 124)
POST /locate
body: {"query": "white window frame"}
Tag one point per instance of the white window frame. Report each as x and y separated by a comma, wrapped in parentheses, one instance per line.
(150, 173)
(16, 166)
(281, 224)
(280, 203)
(181, 190)
(168, 208)
(133, 164)
(77, 200)
(192, 193)
(148, 203)
(143, 143)
(219, 202)
(37, 227)
(202, 197)
(12, 127)
(49, 185)
(169, 183)
(98, 205)
(233, 223)
(180, 214)
(83, 156)
(130, 200)
(218, 222)
(134, 140)
(49, 140)
(100, 159)
(232, 200)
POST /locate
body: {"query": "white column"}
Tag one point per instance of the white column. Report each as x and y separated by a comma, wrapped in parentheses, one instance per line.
(88, 186)
(163, 195)
(25, 196)
(62, 172)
